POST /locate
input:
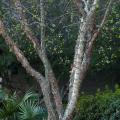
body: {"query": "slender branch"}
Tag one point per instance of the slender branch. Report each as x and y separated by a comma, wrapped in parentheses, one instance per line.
(100, 26)
(89, 48)
(40, 49)
(20, 56)
(42, 21)
(79, 5)
(27, 29)
(86, 5)
(22, 59)
(48, 69)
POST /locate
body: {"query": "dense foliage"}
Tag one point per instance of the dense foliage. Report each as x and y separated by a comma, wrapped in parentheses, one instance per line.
(61, 31)
(104, 105)
(107, 50)
(13, 107)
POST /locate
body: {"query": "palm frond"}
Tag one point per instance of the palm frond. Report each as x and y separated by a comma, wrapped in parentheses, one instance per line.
(30, 110)
(9, 108)
(30, 95)
(26, 108)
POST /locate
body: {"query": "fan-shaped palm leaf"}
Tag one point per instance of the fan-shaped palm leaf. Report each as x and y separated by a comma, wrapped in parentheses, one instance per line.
(9, 108)
(30, 95)
(30, 110)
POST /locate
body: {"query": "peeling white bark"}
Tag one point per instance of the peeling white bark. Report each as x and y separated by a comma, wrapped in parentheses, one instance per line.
(79, 69)
(83, 54)
(82, 57)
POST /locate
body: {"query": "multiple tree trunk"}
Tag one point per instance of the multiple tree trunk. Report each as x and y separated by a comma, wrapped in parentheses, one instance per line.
(83, 51)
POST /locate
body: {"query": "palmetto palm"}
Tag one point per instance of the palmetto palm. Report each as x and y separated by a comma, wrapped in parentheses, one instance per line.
(27, 108)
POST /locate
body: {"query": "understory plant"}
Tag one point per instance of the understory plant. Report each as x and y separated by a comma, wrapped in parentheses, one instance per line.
(25, 108)
(104, 105)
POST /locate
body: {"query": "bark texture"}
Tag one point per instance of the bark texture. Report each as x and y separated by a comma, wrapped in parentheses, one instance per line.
(83, 54)
(39, 45)
(39, 77)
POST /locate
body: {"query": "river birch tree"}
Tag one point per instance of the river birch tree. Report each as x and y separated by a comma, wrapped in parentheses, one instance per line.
(88, 32)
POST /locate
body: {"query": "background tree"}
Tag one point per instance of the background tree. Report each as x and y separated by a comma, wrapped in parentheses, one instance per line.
(83, 50)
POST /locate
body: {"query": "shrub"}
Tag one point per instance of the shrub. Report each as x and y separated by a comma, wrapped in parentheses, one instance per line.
(104, 105)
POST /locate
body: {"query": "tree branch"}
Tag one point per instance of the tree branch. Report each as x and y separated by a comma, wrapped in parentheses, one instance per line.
(81, 68)
(78, 71)
(22, 59)
(48, 69)
(20, 56)
(40, 49)
(91, 42)
(27, 29)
